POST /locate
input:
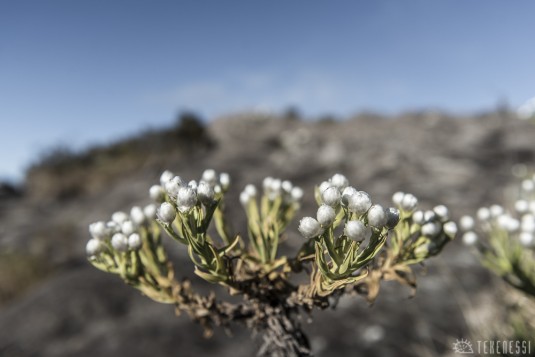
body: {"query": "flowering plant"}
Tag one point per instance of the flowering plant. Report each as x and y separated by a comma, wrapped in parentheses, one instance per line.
(350, 246)
(504, 241)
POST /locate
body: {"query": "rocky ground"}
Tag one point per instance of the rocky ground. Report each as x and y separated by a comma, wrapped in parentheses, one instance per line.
(53, 303)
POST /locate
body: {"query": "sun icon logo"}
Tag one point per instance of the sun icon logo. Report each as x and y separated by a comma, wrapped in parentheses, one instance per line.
(462, 346)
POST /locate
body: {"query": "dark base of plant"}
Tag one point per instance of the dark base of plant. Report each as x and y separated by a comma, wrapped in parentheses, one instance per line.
(283, 336)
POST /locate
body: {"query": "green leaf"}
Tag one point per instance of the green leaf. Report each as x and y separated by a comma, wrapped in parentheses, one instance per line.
(328, 239)
(230, 246)
(274, 242)
(322, 265)
(376, 243)
(339, 217)
(220, 225)
(347, 261)
(209, 277)
(208, 217)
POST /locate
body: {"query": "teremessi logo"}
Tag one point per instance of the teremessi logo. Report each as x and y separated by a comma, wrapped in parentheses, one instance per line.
(492, 347)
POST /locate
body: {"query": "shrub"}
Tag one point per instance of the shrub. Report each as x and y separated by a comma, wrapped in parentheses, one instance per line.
(349, 247)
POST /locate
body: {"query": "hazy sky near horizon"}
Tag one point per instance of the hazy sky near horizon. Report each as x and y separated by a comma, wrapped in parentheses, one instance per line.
(82, 72)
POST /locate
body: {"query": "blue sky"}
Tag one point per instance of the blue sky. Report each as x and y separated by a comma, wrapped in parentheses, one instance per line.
(83, 72)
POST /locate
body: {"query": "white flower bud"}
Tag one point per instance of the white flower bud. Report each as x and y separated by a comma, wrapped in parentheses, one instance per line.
(409, 202)
(166, 177)
(430, 229)
(442, 212)
(503, 220)
(508, 223)
(177, 180)
(166, 213)
(266, 184)
(113, 227)
(93, 247)
(466, 223)
(244, 198)
(157, 193)
(309, 227)
(514, 225)
(346, 193)
(326, 215)
(272, 188)
(339, 181)
(251, 190)
(119, 242)
(172, 186)
(150, 211)
(496, 210)
(418, 217)
(224, 181)
(357, 231)
(483, 214)
(526, 239)
(429, 215)
(275, 187)
(128, 227)
(392, 217)
(193, 185)
(286, 186)
(210, 177)
(331, 196)
(186, 199)
(397, 198)
(522, 206)
(119, 217)
(98, 230)
(297, 194)
(528, 185)
(134, 241)
(450, 228)
(377, 216)
(470, 238)
(324, 185)
(137, 215)
(217, 189)
(205, 193)
(359, 203)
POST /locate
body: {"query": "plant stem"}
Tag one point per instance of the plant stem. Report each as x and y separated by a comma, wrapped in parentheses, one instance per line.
(282, 336)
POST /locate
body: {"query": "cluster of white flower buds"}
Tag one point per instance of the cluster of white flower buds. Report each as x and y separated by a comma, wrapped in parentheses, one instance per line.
(121, 233)
(175, 194)
(518, 223)
(434, 221)
(269, 215)
(339, 201)
(433, 228)
(274, 188)
(348, 231)
(405, 201)
(504, 237)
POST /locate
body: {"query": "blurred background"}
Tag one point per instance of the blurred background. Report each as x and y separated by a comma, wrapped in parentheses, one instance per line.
(97, 98)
